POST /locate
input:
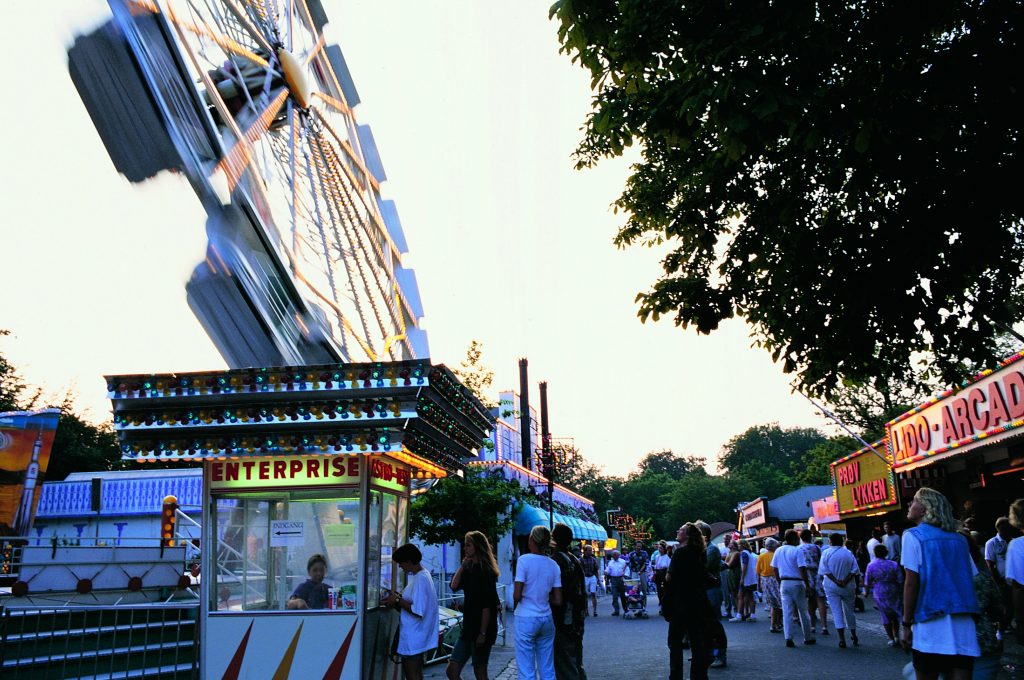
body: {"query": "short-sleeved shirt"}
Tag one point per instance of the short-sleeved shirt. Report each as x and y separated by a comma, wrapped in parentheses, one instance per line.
(764, 564)
(892, 544)
(950, 634)
(480, 591)
(615, 568)
(812, 556)
(1015, 561)
(839, 563)
(638, 561)
(313, 594)
(788, 559)
(538, 574)
(995, 552)
(749, 560)
(589, 564)
(420, 627)
(663, 560)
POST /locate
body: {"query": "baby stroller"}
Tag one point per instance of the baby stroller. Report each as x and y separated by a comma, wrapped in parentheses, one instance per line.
(636, 607)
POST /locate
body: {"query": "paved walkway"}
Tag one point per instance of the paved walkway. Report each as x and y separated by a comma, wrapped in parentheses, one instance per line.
(615, 648)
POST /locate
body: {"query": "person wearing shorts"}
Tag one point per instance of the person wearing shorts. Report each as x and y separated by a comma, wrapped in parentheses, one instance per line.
(589, 563)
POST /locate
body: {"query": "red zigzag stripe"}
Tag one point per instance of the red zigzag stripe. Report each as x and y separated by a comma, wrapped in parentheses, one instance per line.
(235, 667)
(334, 670)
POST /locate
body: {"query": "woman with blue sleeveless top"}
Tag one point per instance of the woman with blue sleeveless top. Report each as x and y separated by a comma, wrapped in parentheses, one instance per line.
(939, 603)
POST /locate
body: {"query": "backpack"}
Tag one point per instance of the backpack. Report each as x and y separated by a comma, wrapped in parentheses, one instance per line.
(574, 594)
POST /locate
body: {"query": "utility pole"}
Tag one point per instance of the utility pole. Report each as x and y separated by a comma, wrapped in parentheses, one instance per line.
(524, 415)
(546, 456)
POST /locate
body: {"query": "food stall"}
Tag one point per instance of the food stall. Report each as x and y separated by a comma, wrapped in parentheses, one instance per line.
(301, 462)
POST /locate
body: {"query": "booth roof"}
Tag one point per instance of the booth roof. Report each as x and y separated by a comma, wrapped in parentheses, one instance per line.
(795, 506)
(412, 410)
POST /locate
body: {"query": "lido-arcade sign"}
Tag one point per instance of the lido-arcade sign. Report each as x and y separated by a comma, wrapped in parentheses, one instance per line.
(864, 481)
(988, 406)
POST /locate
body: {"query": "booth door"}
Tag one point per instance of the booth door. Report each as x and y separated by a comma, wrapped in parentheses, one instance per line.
(387, 526)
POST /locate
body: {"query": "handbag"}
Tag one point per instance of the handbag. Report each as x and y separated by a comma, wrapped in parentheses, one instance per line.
(393, 651)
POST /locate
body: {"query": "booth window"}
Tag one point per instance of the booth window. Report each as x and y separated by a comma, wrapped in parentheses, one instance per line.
(267, 538)
(386, 532)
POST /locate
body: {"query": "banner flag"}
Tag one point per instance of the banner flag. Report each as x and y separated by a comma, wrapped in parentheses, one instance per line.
(25, 441)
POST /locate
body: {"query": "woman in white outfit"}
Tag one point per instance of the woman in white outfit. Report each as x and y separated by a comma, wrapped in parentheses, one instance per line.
(841, 576)
(538, 585)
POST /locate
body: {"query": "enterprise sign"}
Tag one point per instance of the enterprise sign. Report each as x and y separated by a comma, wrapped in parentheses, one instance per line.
(289, 471)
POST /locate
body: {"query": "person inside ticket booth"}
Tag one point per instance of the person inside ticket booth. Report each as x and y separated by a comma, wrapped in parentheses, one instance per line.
(312, 593)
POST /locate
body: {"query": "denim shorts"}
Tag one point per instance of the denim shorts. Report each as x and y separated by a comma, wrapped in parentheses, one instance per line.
(465, 649)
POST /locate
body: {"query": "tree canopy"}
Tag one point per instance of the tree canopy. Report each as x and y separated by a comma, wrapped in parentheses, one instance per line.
(839, 174)
(78, 445)
(474, 374)
(480, 501)
(769, 445)
(666, 462)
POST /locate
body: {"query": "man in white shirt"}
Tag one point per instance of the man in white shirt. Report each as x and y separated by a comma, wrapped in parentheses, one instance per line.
(892, 542)
(995, 549)
(876, 539)
(791, 572)
(615, 573)
(995, 556)
(840, 573)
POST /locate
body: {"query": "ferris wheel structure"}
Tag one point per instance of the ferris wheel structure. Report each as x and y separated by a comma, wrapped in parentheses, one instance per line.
(248, 100)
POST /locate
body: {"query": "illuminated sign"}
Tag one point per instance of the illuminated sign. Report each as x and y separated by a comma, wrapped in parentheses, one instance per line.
(863, 481)
(991, 404)
(754, 513)
(825, 510)
(288, 471)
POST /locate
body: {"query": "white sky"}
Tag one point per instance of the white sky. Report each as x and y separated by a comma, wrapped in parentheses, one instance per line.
(476, 116)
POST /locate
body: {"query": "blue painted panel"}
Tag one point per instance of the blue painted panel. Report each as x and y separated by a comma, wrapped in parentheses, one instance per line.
(407, 282)
(418, 340)
(371, 156)
(348, 86)
(120, 497)
(394, 224)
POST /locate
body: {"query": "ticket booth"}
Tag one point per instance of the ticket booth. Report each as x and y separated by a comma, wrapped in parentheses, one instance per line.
(300, 464)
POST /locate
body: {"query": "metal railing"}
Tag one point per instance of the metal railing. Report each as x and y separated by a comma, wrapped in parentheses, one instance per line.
(451, 625)
(123, 641)
(248, 575)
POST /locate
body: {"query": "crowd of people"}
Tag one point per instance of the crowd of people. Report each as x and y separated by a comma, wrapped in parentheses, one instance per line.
(941, 594)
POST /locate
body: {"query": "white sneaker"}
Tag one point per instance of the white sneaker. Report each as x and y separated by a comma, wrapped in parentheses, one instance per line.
(752, 617)
(735, 619)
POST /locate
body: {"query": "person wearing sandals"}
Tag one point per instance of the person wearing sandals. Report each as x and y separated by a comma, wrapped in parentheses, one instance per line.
(841, 574)
(885, 579)
(769, 586)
